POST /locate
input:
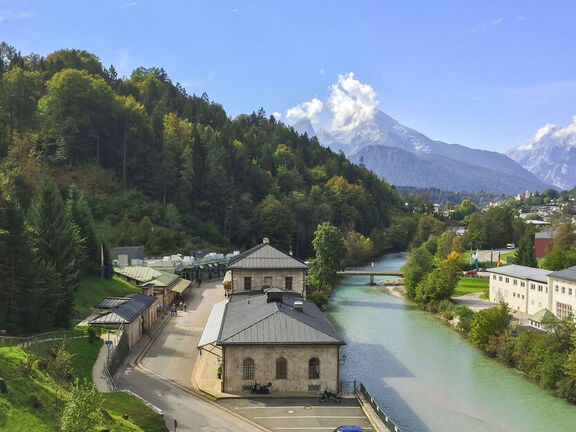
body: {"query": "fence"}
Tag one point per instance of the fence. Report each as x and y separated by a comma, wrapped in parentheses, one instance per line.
(26, 342)
(117, 351)
(381, 414)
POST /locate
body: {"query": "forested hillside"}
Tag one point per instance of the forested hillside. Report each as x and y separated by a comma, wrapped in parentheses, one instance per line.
(152, 165)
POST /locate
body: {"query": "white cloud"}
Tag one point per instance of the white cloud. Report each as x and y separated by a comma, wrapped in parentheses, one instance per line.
(487, 25)
(129, 5)
(277, 115)
(6, 15)
(308, 110)
(321, 71)
(351, 103)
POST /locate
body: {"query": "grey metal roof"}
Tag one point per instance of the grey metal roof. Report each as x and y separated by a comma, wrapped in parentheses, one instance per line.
(254, 320)
(127, 312)
(265, 256)
(546, 234)
(568, 274)
(522, 272)
(112, 302)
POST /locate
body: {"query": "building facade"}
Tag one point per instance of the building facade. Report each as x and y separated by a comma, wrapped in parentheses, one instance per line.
(530, 290)
(264, 267)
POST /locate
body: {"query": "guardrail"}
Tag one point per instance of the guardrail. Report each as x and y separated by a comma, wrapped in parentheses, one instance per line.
(381, 414)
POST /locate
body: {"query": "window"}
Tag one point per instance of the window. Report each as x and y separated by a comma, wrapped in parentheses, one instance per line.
(247, 283)
(507, 280)
(500, 278)
(540, 288)
(563, 290)
(563, 310)
(532, 286)
(522, 296)
(288, 284)
(493, 277)
(569, 291)
(522, 284)
(314, 368)
(267, 281)
(513, 294)
(281, 367)
(556, 288)
(515, 282)
(248, 369)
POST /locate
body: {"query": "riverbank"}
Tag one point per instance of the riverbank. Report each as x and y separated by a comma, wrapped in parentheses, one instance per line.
(425, 378)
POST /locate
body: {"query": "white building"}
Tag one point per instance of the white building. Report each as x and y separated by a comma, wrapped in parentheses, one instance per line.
(529, 290)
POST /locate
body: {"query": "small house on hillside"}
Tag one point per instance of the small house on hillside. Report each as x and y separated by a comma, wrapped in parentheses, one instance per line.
(135, 314)
(162, 285)
(541, 318)
(264, 267)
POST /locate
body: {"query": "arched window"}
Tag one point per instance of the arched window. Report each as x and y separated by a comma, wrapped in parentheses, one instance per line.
(281, 368)
(314, 368)
(248, 369)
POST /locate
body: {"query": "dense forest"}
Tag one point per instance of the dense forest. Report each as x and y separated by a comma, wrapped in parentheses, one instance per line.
(87, 157)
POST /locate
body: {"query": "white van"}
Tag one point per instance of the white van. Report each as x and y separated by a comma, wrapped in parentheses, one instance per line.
(510, 246)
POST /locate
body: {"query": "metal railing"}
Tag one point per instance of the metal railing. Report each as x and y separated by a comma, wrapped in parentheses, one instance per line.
(26, 342)
(381, 414)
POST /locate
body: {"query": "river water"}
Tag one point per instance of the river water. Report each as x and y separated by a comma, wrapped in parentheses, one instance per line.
(425, 376)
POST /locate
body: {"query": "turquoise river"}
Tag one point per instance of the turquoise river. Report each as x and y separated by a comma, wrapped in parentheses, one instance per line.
(425, 375)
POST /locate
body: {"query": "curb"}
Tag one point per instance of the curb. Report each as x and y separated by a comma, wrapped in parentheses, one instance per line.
(136, 363)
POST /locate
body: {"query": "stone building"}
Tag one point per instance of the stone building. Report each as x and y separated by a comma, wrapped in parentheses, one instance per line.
(275, 337)
(135, 314)
(263, 267)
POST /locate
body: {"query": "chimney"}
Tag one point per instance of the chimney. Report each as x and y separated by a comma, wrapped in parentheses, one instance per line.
(298, 305)
(265, 240)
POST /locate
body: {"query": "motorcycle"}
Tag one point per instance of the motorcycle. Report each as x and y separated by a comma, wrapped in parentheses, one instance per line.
(260, 388)
(328, 396)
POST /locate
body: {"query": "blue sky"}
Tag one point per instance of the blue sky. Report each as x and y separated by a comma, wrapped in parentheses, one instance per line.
(482, 73)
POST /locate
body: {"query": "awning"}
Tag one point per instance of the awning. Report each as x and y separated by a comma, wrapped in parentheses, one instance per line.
(212, 329)
(181, 286)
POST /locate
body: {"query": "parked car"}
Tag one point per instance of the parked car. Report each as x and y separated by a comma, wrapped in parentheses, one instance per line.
(348, 429)
(471, 273)
(482, 269)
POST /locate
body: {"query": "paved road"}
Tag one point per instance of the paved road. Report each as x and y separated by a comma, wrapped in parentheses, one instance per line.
(301, 414)
(166, 368)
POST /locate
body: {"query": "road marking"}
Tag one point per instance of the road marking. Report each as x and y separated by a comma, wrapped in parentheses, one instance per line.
(309, 416)
(302, 407)
(315, 428)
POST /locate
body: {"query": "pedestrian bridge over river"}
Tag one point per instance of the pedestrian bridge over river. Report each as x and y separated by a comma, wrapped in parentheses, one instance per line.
(369, 272)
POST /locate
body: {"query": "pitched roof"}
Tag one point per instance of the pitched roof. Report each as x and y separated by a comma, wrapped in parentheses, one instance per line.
(139, 273)
(543, 315)
(147, 276)
(567, 274)
(127, 312)
(112, 302)
(522, 272)
(254, 320)
(265, 256)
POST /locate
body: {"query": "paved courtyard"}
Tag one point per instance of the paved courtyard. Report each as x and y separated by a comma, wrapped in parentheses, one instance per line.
(299, 414)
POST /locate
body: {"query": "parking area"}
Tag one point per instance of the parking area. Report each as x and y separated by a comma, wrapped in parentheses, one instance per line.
(300, 414)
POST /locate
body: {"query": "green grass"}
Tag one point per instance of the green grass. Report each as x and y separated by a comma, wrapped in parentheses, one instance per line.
(138, 413)
(18, 415)
(83, 352)
(92, 290)
(468, 285)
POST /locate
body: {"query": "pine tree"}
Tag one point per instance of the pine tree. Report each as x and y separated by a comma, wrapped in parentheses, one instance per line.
(15, 258)
(55, 242)
(525, 254)
(80, 214)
